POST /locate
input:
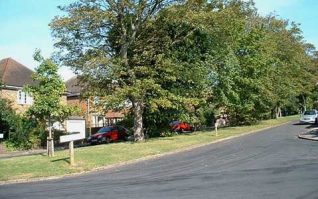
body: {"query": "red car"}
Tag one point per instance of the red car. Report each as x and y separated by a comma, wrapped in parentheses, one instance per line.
(108, 134)
(178, 126)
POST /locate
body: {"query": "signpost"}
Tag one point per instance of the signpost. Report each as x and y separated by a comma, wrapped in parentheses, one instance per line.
(76, 129)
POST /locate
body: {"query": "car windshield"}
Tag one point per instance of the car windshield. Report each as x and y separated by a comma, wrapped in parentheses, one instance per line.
(174, 122)
(104, 129)
(309, 113)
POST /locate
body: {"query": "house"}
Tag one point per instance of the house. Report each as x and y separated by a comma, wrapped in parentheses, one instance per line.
(13, 76)
(93, 116)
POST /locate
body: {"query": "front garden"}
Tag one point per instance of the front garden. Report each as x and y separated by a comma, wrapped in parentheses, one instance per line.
(101, 156)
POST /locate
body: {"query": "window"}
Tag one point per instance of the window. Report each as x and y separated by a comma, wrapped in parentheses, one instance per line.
(24, 98)
(96, 100)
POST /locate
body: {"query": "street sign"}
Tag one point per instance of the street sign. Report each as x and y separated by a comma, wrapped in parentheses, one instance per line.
(1, 136)
(75, 129)
(72, 136)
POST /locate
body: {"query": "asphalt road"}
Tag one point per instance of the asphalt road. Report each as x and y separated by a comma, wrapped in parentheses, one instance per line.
(271, 164)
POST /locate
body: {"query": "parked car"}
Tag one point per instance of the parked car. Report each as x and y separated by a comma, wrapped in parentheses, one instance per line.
(179, 126)
(309, 117)
(108, 134)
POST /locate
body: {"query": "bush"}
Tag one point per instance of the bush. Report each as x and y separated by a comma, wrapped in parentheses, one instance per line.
(7, 117)
(25, 134)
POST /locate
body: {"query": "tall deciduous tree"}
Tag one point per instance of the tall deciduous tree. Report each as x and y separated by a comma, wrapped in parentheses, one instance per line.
(47, 93)
(167, 62)
(103, 41)
(292, 72)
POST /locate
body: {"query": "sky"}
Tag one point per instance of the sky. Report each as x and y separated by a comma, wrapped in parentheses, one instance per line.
(304, 12)
(24, 28)
(24, 25)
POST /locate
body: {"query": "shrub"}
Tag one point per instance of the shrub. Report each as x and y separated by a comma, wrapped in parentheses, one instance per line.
(25, 134)
(7, 117)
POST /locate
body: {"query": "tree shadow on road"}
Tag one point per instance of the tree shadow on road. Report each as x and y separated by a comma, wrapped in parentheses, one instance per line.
(312, 126)
(299, 124)
(309, 126)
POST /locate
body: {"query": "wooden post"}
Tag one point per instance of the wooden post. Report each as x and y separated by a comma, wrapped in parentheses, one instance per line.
(50, 141)
(71, 147)
(50, 147)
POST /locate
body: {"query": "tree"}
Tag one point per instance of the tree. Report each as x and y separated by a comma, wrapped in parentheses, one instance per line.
(46, 93)
(103, 41)
(170, 61)
(230, 50)
(293, 75)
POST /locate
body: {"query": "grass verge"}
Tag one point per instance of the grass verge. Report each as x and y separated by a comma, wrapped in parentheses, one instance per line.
(93, 157)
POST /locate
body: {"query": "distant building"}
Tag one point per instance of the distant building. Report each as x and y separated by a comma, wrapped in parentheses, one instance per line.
(13, 77)
(94, 117)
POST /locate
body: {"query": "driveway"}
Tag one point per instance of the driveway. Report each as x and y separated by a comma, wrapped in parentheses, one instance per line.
(270, 164)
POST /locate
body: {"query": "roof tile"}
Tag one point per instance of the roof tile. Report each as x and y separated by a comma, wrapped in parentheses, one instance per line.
(12, 73)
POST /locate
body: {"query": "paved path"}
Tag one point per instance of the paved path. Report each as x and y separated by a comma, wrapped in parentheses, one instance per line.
(6, 155)
(2, 148)
(270, 164)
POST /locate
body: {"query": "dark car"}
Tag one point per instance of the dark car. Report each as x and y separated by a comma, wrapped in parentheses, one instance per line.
(108, 134)
(179, 126)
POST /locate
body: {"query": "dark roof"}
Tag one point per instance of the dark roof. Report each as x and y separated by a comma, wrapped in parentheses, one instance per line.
(73, 86)
(12, 73)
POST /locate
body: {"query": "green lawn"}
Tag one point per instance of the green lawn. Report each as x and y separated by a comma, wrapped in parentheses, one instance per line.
(93, 157)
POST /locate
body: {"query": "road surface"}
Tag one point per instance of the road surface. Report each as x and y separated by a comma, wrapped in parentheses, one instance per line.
(270, 164)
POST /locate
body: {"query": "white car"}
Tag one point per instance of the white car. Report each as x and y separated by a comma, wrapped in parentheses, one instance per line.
(309, 117)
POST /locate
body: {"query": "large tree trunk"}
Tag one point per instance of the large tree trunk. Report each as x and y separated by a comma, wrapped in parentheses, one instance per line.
(138, 108)
(304, 103)
(278, 112)
(126, 38)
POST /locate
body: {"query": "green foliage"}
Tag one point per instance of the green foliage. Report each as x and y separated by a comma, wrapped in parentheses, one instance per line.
(7, 116)
(20, 133)
(129, 58)
(25, 134)
(187, 61)
(47, 92)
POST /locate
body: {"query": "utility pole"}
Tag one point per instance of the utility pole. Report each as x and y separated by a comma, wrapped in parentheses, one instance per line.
(88, 119)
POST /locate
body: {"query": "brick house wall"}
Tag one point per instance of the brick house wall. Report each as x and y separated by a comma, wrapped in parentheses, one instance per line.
(63, 99)
(11, 95)
(76, 102)
(82, 105)
(95, 117)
